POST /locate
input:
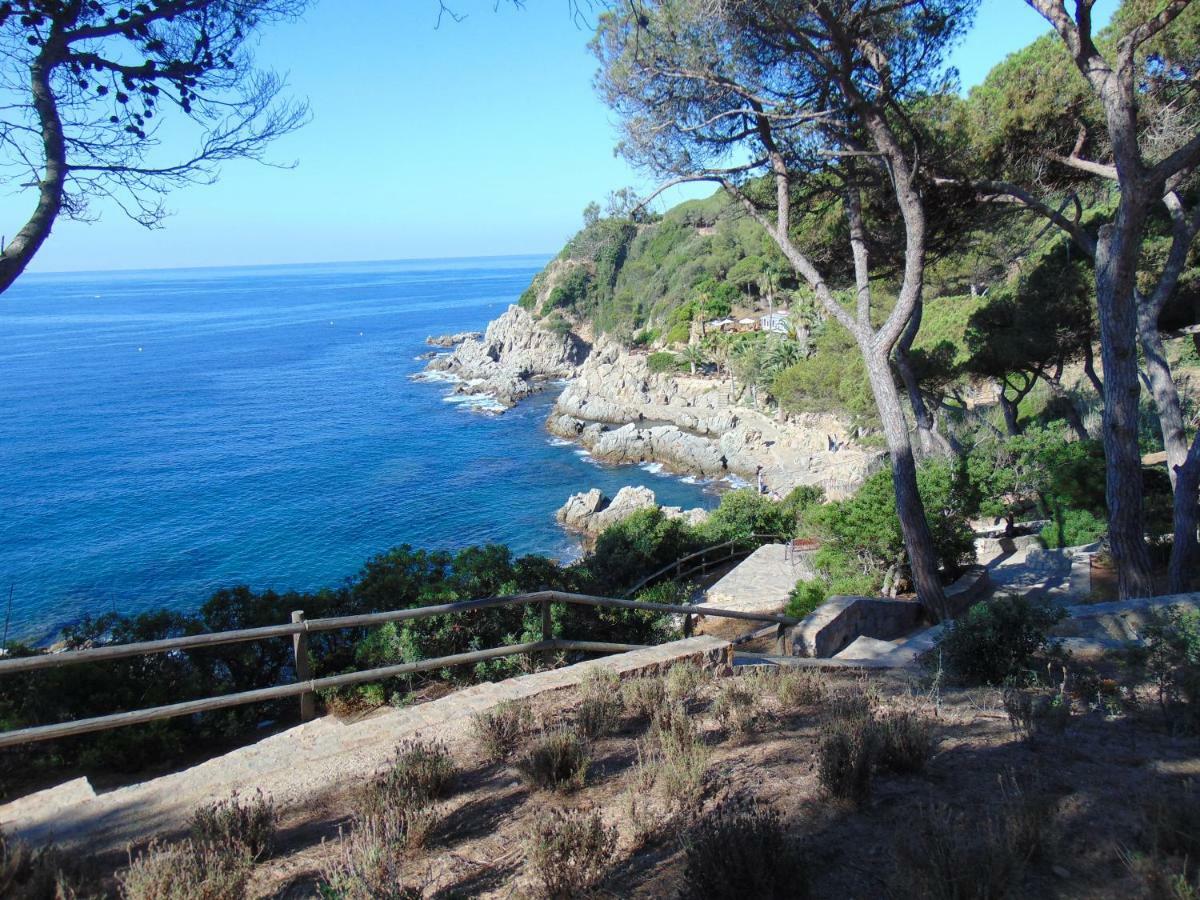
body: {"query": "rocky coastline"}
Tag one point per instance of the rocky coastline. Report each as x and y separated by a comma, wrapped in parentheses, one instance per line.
(515, 357)
(621, 413)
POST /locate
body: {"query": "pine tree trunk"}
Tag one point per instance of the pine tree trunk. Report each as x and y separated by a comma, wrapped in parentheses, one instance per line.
(918, 540)
(1115, 273)
(1009, 408)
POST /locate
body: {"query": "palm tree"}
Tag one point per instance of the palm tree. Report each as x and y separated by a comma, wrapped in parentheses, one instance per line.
(694, 356)
(781, 352)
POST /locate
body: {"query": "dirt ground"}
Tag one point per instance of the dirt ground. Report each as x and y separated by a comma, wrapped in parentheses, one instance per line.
(1092, 779)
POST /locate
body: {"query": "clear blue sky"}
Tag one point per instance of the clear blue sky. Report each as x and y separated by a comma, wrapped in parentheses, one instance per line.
(481, 138)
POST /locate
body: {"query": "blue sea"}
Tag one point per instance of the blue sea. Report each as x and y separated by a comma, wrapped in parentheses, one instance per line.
(166, 433)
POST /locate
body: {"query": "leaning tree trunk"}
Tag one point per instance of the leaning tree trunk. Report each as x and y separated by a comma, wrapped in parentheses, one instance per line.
(26, 242)
(929, 441)
(1118, 354)
(918, 540)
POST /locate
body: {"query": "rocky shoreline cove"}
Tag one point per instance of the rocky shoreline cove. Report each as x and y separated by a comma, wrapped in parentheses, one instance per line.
(621, 413)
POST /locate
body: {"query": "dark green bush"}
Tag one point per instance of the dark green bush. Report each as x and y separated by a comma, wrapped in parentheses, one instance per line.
(661, 362)
(997, 642)
(1073, 528)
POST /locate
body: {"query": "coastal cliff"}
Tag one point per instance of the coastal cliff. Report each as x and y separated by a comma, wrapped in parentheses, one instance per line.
(623, 413)
(514, 358)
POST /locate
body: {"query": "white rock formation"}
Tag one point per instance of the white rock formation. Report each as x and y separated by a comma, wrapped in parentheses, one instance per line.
(622, 413)
(591, 512)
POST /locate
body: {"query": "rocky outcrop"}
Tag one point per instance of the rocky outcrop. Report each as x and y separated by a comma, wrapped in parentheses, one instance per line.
(453, 340)
(622, 413)
(591, 512)
(513, 359)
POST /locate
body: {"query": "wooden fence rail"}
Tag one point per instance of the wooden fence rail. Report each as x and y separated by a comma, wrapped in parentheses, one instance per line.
(305, 686)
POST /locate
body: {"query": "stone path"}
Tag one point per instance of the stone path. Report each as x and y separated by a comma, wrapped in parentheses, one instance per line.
(761, 582)
(301, 763)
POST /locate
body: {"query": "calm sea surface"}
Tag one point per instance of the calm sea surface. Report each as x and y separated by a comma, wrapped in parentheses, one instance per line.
(166, 433)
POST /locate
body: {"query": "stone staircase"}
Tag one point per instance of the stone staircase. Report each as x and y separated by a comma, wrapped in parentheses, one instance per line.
(300, 764)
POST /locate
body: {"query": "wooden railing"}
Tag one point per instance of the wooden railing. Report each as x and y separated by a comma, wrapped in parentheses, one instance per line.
(305, 685)
(709, 556)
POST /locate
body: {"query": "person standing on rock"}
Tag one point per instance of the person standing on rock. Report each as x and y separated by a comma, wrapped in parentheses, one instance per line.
(762, 485)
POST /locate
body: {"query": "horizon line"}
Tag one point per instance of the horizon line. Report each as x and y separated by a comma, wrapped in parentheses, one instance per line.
(275, 265)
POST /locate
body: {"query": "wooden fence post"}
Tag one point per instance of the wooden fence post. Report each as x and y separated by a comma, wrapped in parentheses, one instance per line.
(547, 634)
(303, 669)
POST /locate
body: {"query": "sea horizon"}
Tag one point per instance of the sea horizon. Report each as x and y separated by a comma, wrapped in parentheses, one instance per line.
(404, 260)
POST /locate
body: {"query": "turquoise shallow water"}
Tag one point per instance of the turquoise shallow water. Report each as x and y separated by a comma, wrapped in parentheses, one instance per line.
(166, 433)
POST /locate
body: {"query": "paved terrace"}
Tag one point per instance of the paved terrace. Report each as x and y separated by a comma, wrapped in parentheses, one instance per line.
(297, 765)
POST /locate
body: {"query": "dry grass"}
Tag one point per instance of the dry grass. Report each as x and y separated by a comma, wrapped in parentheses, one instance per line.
(644, 695)
(556, 761)
(236, 822)
(367, 864)
(904, 741)
(975, 854)
(499, 732)
(33, 874)
(738, 850)
(568, 853)
(684, 681)
(659, 776)
(736, 707)
(187, 871)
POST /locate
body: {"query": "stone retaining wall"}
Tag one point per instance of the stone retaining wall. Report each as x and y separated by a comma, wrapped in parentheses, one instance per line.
(839, 620)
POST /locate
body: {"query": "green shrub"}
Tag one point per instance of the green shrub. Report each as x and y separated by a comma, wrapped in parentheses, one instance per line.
(662, 362)
(569, 852)
(739, 850)
(861, 535)
(234, 823)
(807, 596)
(187, 871)
(996, 642)
(1073, 528)
(744, 512)
(557, 761)
(1171, 658)
(499, 731)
